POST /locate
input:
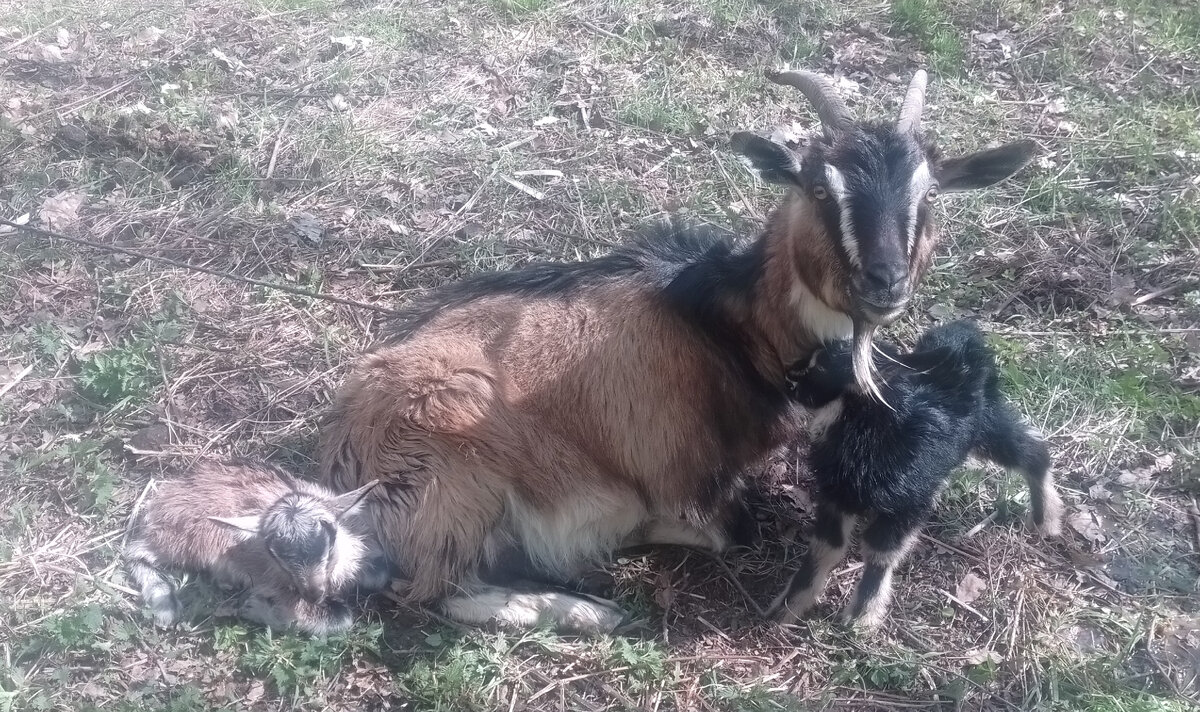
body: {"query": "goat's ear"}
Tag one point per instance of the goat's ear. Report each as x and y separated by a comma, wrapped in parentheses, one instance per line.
(346, 503)
(773, 162)
(248, 523)
(979, 170)
(926, 360)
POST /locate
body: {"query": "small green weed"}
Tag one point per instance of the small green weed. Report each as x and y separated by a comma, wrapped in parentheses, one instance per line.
(76, 629)
(725, 694)
(463, 676)
(645, 660)
(518, 8)
(297, 665)
(118, 376)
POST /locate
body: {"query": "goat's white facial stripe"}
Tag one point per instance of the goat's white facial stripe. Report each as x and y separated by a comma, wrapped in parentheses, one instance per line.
(837, 186)
(921, 181)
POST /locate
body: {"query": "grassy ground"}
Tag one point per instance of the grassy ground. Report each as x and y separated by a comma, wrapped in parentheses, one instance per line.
(373, 151)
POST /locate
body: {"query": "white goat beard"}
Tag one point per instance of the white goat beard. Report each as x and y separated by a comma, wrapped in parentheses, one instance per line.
(864, 363)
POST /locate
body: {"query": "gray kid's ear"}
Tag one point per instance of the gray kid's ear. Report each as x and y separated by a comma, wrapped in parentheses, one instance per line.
(774, 163)
(984, 168)
(247, 523)
(347, 503)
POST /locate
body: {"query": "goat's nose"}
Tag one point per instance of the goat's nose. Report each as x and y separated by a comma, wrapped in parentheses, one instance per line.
(886, 277)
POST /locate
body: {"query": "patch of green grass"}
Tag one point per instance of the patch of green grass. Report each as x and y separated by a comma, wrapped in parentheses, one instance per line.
(661, 101)
(298, 666)
(800, 48)
(873, 672)
(928, 22)
(724, 693)
(645, 662)
(463, 676)
(118, 376)
(72, 630)
(519, 8)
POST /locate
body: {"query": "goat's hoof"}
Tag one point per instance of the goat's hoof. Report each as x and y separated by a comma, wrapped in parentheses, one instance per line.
(597, 616)
(1048, 528)
(788, 616)
(862, 624)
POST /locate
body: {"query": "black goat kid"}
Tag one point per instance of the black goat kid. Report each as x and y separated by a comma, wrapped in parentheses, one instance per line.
(886, 464)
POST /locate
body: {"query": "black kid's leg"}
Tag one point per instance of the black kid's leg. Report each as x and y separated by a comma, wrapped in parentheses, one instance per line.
(884, 544)
(831, 537)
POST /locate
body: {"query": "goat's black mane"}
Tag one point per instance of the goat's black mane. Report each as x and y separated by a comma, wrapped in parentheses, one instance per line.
(684, 261)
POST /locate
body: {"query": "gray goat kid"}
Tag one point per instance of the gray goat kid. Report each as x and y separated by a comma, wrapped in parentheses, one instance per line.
(293, 546)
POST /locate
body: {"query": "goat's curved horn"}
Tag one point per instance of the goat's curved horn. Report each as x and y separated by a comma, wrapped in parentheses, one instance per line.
(818, 90)
(914, 104)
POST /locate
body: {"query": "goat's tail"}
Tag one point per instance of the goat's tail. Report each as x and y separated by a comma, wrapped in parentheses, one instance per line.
(1011, 443)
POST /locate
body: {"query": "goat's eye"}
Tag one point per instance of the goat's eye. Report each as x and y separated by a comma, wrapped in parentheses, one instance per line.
(931, 194)
(819, 192)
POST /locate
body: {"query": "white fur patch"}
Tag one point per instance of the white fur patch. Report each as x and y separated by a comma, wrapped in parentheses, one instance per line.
(824, 322)
(676, 532)
(823, 417)
(920, 183)
(837, 186)
(583, 614)
(585, 527)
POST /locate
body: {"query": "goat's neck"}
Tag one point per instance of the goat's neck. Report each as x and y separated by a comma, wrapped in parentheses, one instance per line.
(800, 301)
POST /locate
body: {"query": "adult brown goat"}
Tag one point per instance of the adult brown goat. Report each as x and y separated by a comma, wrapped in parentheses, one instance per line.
(561, 411)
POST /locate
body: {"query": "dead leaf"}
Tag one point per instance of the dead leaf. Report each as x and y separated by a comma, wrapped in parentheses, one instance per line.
(149, 35)
(21, 219)
(799, 497)
(1056, 106)
(230, 63)
(255, 692)
(227, 120)
(51, 54)
(970, 588)
(980, 656)
(152, 438)
(1143, 475)
(308, 228)
(1087, 523)
(941, 312)
(339, 103)
(1122, 290)
(61, 210)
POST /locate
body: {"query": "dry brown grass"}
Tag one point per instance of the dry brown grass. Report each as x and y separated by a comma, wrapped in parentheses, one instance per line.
(245, 139)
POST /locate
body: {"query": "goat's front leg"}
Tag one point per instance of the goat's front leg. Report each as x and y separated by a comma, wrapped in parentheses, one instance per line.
(831, 537)
(884, 544)
(527, 607)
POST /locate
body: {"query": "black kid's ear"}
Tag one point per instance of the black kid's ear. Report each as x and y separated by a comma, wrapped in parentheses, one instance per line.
(774, 163)
(926, 360)
(979, 170)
